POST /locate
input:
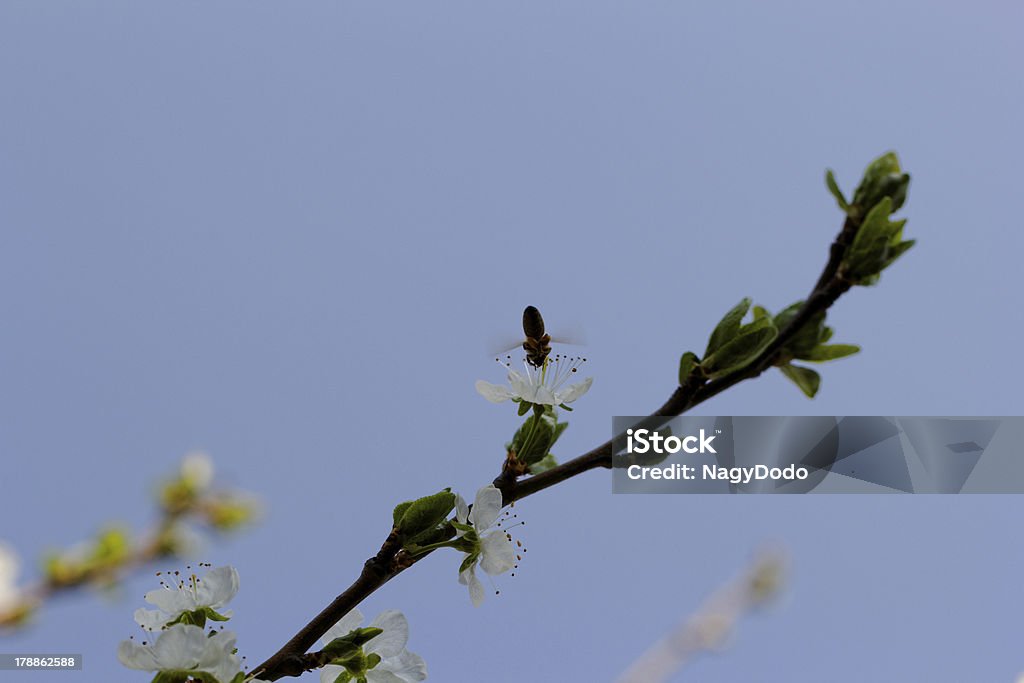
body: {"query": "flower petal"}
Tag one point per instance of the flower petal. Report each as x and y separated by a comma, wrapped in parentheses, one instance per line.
(173, 601)
(409, 667)
(396, 634)
(180, 647)
(197, 469)
(486, 507)
(497, 555)
(495, 393)
(330, 673)
(544, 397)
(574, 391)
(151, 619)
(9, 565)
(136, 656)
(461, 510)
(218, 656)
(476, 589)
(379, 675)
(522, 387)
(217, 586)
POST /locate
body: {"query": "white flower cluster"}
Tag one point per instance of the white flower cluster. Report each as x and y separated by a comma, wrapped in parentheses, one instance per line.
(185, 650)
(183, 646)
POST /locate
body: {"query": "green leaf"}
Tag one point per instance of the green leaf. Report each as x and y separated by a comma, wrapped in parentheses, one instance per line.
(808, 336)
(424, 514)
(468, 561)
(559, 428)
(544, 464)
(805, 378)
(349, 644)
(438, 534)
(896, 251)
(783, 317)
(748, 343)
(396, 514)
(534, 438)
(195, 617)
(687, 363)
(172, 676)
(833, 187)
(883, 178)
(214, 615)
(877, 244)
(524, 407)
(728, 327)
(896, 186)
(761, 312)
(826, 352)
(875, 226)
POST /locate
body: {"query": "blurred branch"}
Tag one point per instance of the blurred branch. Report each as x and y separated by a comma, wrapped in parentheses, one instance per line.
(107, 558)
(714, 621)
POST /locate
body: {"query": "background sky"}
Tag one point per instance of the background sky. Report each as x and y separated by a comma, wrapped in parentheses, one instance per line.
(290, 235)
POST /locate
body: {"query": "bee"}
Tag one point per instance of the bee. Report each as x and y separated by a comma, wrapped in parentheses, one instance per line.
(538, 343)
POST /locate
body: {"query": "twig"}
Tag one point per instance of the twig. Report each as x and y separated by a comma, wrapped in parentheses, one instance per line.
(390, 561)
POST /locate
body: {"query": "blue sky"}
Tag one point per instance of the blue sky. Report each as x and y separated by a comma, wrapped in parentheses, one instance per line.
(288, 235)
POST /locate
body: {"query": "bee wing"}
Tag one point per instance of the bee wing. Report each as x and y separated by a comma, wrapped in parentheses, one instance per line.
(572, 341)
(502, 345)
(569, 334)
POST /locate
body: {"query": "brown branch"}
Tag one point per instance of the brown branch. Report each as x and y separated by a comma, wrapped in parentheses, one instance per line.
(390, 561)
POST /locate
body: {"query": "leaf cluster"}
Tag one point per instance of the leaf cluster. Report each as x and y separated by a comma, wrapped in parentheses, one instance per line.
(424, 521)
(878, 241)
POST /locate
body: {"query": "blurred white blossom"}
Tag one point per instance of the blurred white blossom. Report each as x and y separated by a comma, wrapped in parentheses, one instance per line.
(10, 565)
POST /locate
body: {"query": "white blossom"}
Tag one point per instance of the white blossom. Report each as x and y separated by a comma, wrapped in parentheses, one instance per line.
(10, 596)
(493, 551)
(213, 590)
(396, 665)
(545, 385)
(185, 648)
(197, 469)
